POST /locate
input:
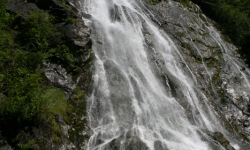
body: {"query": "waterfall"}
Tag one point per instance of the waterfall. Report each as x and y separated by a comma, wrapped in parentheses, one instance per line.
(145, 95)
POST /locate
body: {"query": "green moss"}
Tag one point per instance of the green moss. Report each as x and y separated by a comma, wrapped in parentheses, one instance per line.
(210, 62)
(75, 110)
(29, 145)
(55, 105)
(186, 3)
(179, 34)
(80, 94)
(202, 17)
(185, 45)
(1, 77)
(216, 78)
(70, 20)
(55, 131)
(65, 4)
(55, 102)
(191, 52)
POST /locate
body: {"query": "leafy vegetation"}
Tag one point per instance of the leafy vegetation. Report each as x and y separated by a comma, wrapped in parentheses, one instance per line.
(233, 17)
(26, 146)
(38, 31)
(21, 82)
(185, 3)
(70, 20)
(26, 99)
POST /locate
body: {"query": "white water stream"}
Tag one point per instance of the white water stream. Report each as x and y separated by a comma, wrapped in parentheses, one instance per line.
(135, 78)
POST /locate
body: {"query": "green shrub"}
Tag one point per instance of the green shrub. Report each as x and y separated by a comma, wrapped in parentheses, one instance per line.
(23, 102)
(65, 4)
(61, 52)
(26, 100)
(27, 146)
(70, 20)
(39, 31)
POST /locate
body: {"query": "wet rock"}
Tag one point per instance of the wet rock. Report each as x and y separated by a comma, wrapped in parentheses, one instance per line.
(136, 144)
(57, 75)
(210, 59)
(130, 144)
(159, 146)
(113, 145)
(56, 8)
(217, 136)
(115, 14)
(4, 144)
(65, 132)
(77, 36)
(21, 7)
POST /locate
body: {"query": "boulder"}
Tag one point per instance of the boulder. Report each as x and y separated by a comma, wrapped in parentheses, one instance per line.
(57, 75)
(21, 7)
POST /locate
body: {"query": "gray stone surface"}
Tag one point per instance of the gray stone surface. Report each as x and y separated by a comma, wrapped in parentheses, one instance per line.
(211, 61)
(21, 7)
(57, 75)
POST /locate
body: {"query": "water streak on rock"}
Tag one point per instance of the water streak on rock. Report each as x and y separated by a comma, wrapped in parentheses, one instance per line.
(145, 95)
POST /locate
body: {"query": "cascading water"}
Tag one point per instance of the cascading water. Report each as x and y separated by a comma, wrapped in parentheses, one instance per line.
(143, 97)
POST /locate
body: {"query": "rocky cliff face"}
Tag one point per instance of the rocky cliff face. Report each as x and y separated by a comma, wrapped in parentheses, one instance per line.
(214, 61)
(221, 74)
